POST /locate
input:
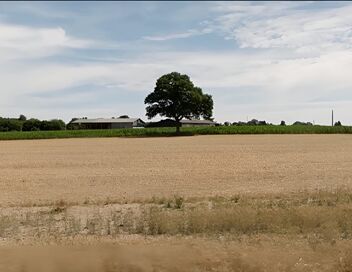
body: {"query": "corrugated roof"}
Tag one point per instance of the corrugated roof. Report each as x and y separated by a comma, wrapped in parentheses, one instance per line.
(105, 120)
(195, 121)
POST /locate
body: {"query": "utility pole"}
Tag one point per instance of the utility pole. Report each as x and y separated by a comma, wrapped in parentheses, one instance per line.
(332, 118)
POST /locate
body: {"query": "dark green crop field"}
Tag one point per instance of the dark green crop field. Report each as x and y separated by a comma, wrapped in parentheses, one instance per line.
(164, 132)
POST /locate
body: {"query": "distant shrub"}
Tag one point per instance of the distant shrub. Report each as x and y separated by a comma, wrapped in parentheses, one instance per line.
(338, 124)
(283, 123)
(253, 122)
(31, 125)
(54, 124)
(241, 123)
(22, 118)
(45, 125)
(299, 123)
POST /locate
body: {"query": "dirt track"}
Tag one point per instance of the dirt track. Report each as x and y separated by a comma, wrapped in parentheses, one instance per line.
(175, 255)
(74, 170)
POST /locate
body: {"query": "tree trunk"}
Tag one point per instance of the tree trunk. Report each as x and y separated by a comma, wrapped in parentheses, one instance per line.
(178, 125)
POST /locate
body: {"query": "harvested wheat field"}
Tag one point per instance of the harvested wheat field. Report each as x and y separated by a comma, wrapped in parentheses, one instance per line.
(204, 203)
(130, 169)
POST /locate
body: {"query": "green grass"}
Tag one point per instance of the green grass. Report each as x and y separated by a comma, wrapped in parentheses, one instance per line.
(164, 132)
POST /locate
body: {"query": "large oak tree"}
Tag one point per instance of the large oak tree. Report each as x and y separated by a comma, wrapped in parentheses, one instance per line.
(176, 97)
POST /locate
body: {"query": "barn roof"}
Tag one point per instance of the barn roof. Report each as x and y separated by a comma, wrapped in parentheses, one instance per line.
(196, 121)
(106, 120)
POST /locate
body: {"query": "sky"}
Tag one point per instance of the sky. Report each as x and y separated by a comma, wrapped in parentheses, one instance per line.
(271, 61)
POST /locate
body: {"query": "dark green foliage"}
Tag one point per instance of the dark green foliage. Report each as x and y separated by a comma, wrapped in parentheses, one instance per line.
(22, 118)
(283, 123)
(45, 125)
(8, 124)
(22, 124)
(37, 125)
(52, 125)
(338, 124)
(299, 123)
(31, 125)
(176, 97)
(162, 123)
(253, 122)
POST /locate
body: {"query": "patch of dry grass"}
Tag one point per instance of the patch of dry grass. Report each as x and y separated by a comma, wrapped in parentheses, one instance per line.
(323, 215)
(307, 231)
(320, 216)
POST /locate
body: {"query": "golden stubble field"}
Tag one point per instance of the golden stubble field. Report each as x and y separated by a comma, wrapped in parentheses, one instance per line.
(204, 203)
(77, 170)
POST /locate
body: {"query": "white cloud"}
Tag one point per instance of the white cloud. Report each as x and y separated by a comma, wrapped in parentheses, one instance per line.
(17, 42)
(285, 25)
(183, 35)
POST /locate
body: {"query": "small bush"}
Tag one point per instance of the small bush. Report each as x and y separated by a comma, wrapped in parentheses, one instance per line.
(178, 202)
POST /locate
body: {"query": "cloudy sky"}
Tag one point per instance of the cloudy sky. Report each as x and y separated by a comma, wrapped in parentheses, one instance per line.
(267, 60)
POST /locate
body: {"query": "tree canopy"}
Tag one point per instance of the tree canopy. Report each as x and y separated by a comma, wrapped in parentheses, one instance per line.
(22, 118)
(175, 96)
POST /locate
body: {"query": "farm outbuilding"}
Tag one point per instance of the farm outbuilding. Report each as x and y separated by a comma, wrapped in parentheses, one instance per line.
(195, 122)
(110, 123)
(184, 123)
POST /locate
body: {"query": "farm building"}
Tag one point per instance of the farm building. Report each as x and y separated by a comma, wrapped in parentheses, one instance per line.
(109, 123)
(184, 123)
(195, 122)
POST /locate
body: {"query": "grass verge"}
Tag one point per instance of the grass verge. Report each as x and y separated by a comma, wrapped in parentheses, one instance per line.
(320, 216)
(306, 231)
(168, 132)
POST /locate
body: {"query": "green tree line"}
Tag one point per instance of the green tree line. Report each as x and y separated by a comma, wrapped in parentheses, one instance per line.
(24, 124)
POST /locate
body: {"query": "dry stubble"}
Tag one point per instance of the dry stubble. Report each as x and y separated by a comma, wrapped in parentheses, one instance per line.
(77, 170)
